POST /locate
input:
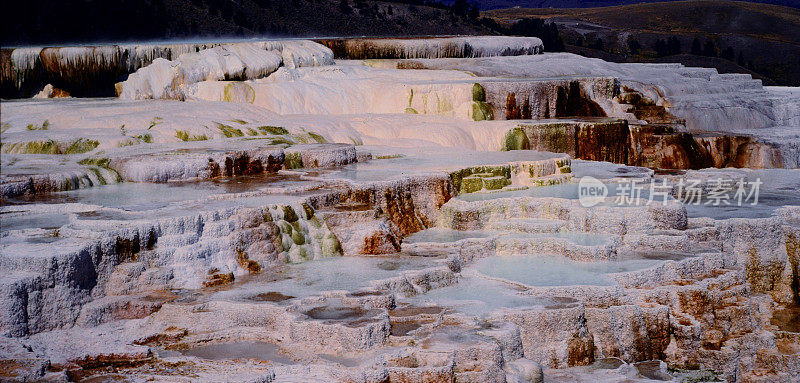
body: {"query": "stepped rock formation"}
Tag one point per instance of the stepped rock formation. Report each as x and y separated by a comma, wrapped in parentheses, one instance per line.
(654, 146)
(417, 210)
(703, 99)
(93, 71)
(433, 48)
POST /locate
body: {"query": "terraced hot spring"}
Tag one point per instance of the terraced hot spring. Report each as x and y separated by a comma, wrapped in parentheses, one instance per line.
(272, 296)
(389, 163)
(583, 239)
(478, 296)
(347, 362)
(566, 191)
(444, 235)
(607, 170)
(547, 270)
(138, 196)
(239, 350)
(329, 274)
(130, 196)
(141, 199)
(335, 312)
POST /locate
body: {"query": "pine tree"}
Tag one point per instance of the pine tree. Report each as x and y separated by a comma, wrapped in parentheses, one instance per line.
(634, 45)
(728, 54)
(460, 7)
(710, 49)
(344, 7)
(661, 48)
(673, 46)
(697, 47)
(474, 13)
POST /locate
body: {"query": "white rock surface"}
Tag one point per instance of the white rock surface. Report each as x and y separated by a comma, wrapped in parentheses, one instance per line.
(219, 255)
(432, 48)
(167, 79)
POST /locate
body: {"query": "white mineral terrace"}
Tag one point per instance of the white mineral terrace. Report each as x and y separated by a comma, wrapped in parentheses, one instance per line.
(261, 212)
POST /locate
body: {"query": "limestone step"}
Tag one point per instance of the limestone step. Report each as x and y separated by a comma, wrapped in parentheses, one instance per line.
(176, 240)
(528, 225)
(554, 179)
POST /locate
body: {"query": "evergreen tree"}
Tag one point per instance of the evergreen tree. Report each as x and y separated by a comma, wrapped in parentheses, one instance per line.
(474, 13)
(634, 45)
(460, 7)
(555, 40)
(728, 54)
(697, 47)
(599, 44)
(673, 46)
(661, 47)
(536, 27)
(344, 7)
(492, 24)
(710, 49)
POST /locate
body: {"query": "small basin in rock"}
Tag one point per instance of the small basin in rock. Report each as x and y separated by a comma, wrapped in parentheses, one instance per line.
(410, 311)
(335, 313)
(186, 296)
(578, 238)
(103, 215)
(362, 321)
(608, 363)
(662, 255)
(272, 296)
(239, 350)
(352, 207)
(33, 220)
(365, 293)
(405, 326)
(548, 270)
(651, 369)
(341, 273)
(42, 239)
(389, 265)
(443, 235)
(561, 303)
(105, 378)
(347, 362)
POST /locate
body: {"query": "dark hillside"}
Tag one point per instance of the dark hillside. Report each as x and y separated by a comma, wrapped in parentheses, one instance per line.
(52, 22)
(501, 4)
(731, 36)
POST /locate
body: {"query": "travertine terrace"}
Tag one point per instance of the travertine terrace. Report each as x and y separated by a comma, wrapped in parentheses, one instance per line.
(392, 210)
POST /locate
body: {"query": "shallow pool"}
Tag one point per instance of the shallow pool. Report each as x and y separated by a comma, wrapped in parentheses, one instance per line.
(546, 270)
